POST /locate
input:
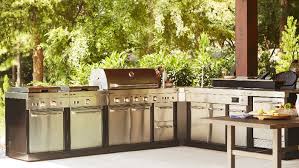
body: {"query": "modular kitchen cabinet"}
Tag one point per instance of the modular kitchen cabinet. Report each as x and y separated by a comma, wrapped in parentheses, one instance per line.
(207, 132)
(129, 125)
(163, 121)
(209, 104)
(212, 102)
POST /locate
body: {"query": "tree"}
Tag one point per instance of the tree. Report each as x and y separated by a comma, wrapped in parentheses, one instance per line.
(36, 18)
(289, 45)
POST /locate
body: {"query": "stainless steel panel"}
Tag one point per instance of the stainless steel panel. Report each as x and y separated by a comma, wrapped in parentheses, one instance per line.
(241, 132)
(86, 128)
(87, 99)
(236, 92)
(41, 101)
(140, 124)
(217, 98)
(218, 131)
(119, 125)
(142, 96)
(163, 122)
(263, 137)
(46, 131)
(200, 131)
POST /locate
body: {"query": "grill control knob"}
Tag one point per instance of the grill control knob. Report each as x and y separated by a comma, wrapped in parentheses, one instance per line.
(116, 100)
(136, 99)
(127, 100)
(155, 98)
(87, 101)
(42, 104)
(53, 103)
(145, 99)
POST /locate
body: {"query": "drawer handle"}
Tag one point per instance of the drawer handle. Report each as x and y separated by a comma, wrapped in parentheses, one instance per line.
(214, 109)
(140, 108)
(164, 107)
(165, 121)
(198, 107)
(268, 102)
(243, 111)
(164, 126)
(43, 114)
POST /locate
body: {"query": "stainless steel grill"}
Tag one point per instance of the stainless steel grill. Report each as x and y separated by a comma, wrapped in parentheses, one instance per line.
(133, 95)
(108, 79)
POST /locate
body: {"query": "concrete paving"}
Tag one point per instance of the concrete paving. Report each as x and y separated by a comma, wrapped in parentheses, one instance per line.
(177, 157)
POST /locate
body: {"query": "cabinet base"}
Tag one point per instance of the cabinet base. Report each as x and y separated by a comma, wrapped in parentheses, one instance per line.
(31, 157)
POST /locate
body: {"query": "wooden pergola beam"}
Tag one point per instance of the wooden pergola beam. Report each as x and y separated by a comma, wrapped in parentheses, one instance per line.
(246, 38)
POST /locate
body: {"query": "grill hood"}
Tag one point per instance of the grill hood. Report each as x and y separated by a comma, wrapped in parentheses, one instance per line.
(115, 79)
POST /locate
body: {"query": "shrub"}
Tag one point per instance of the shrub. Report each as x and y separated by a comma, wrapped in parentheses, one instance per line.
(177, 65)
(289, 45)
(5, 87)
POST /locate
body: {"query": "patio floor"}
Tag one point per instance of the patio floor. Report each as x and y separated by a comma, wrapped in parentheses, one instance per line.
(177, 157)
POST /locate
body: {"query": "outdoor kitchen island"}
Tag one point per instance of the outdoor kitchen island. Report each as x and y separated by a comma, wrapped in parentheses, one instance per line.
(217, 102)
(36, 130)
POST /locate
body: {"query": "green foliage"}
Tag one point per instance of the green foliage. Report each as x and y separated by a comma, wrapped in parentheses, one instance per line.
(266, 61)
(289, 45)
(187, 70)
(66, 54)
(3, 89)
(177, 65)
(115, 60)
(210, 61)
(269, 22)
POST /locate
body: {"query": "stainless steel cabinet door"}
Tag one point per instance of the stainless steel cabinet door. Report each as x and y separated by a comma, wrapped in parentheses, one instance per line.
(241, 132)
(163, 122)
(263, 137)
(119, 125)
(46, 131)
(218, 130)
(140, 124)
(199, 131)
(86, 128)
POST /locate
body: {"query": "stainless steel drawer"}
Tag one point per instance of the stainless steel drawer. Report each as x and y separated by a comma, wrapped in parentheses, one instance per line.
(163, 122)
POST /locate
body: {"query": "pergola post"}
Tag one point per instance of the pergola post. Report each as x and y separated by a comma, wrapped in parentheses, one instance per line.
(246, 38)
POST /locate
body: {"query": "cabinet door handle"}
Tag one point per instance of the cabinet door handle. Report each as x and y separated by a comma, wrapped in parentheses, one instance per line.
(236, 110)
(164, 126)
(165, 107)
(198, 107)
(214, 109)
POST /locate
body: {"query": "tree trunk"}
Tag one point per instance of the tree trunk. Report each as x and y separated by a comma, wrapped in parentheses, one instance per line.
(38, 55)
(284, 4)
(38, 61)
(13, 75)
(19, 70)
